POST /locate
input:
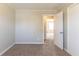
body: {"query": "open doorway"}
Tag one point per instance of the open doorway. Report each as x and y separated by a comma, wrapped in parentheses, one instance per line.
(48, 27)
(53, 29)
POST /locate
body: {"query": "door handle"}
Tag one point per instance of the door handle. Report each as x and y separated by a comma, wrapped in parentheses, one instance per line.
(61, 32)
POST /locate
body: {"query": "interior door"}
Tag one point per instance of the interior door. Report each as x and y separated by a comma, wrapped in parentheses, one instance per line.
(59, 30)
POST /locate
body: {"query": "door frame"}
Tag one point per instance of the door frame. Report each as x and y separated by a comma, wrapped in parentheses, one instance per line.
(43, 22)
(62, 28)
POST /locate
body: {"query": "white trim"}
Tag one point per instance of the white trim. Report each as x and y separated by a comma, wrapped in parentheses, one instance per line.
(72, 5)
(7, 49)
(29, 42)
(67, 29)
(68, 51)
(48, 14)
(37, 10)
(58, 45)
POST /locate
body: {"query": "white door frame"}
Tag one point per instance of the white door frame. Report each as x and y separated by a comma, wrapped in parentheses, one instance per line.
(44, 33)
(62, 44)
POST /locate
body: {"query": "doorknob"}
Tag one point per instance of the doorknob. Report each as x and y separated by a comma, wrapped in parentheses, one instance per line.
(61, 32)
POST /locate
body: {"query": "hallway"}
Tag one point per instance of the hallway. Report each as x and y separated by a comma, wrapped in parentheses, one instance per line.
(47, 49)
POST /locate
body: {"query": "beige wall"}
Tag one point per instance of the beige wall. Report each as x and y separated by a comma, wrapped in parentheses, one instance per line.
(29, 27)
(6, 27)
(73, 29)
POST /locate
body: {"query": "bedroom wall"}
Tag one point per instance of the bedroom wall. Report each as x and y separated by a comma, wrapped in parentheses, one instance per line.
(6, 27)
(73, 30)
(29, 27)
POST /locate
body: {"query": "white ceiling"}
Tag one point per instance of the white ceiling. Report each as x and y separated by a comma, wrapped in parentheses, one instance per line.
(39, 6)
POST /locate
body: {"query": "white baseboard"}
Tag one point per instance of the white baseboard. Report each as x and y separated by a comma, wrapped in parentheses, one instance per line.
(68, 51)
(7, 49)
(58, 45)
(29, 43)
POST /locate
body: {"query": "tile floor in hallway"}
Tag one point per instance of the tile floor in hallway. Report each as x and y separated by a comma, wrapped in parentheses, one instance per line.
(47, 49)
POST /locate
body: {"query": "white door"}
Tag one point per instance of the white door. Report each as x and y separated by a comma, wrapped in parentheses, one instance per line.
(59, 30)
